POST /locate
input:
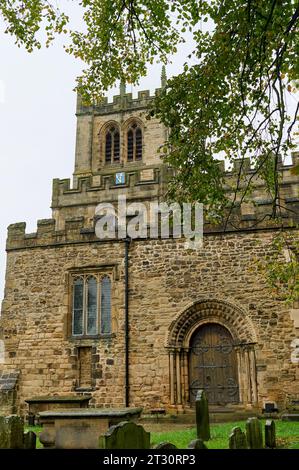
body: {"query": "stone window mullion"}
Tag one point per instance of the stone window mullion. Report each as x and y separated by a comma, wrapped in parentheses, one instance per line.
(85, 305)
(100, 302)
(134, 145)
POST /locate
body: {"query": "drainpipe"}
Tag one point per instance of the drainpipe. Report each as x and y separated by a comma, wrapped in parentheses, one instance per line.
(127, 377)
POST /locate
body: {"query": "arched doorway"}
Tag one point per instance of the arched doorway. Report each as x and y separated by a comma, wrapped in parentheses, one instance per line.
(213, 365)
(232, 339)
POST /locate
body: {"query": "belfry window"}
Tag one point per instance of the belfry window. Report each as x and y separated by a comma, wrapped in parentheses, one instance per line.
(134, 143)
(91, 305)
(112, 145)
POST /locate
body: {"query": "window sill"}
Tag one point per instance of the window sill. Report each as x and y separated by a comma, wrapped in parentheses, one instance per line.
(84, 389)
(92, 338)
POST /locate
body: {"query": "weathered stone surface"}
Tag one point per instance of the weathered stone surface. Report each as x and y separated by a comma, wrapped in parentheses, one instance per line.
(81, 428)
(165, 445)
(237, 439)
(202, 416)
(197, 444)
(29, 440)
(168, 284)
(254, 433)
(125, 435)
(270, 434)
(11, 432)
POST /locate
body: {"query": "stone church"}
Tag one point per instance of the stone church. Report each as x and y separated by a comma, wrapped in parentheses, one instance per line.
(143, 322)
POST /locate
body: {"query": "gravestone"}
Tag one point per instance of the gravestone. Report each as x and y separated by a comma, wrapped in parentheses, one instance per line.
(11, 432)
(29, 440)
(270, 437)
(4, 436)
(197, 444)
(165, 445)
(125, 435)
(237, 439)
(202, 416)
(254, 433)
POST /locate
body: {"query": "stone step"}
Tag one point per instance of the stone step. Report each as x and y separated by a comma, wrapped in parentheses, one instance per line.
(188, 417)
(290, 416)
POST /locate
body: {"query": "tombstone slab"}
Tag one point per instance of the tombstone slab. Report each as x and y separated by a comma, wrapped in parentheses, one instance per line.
(81, 428)
(11, 432)
(4, 435)
(197, 444)
(30, 440)
(270, 434)
(125, 435)
(237, 439)
(165, 445)
(254, 433)
(202, 416)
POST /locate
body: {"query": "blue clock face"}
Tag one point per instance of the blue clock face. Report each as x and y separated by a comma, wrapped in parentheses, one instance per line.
(120, 178)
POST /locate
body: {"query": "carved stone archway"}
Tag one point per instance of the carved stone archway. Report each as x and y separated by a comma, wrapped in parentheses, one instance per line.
(244, 337)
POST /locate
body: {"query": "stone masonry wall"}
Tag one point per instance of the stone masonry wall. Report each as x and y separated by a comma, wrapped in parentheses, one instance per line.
(165, 279)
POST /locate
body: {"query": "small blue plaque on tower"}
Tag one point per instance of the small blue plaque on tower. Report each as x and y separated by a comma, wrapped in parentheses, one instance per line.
(120, 178)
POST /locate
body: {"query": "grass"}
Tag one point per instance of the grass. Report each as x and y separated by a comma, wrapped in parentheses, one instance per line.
(287, 435)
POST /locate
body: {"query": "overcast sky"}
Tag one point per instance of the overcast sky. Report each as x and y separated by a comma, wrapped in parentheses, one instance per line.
(37, 127)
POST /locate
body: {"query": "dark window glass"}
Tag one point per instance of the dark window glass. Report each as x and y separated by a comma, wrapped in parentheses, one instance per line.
(78, 307)
(88, 308)
(106, 305)
(130, 145)
(138, 144)
(92, 306)
(116, 147)
(108, 147)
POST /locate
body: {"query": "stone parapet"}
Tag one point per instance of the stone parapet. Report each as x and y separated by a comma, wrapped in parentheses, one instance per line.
(119, 103)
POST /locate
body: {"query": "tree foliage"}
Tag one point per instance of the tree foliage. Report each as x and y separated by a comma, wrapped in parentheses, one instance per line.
(281, 267)
(232, 102)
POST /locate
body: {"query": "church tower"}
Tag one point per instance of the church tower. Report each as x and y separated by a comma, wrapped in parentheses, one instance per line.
(117, 153)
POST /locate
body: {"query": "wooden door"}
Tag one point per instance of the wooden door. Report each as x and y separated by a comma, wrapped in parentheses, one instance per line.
(213, 365)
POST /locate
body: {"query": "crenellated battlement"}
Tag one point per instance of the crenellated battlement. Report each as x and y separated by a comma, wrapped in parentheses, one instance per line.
(78, 225)
(103, 187)
(93, 189)
(121, 102)
(46, 234)
(74, 207)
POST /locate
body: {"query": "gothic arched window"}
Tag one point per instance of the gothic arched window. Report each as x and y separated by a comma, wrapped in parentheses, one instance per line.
(91, 309)
(134, 143)
(112, 145)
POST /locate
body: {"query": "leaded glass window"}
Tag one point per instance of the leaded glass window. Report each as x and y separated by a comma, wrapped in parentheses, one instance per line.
(91, 312)
(134, 143)
(106, 305)
(92, 306)
(78, 306)
(112, 145)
